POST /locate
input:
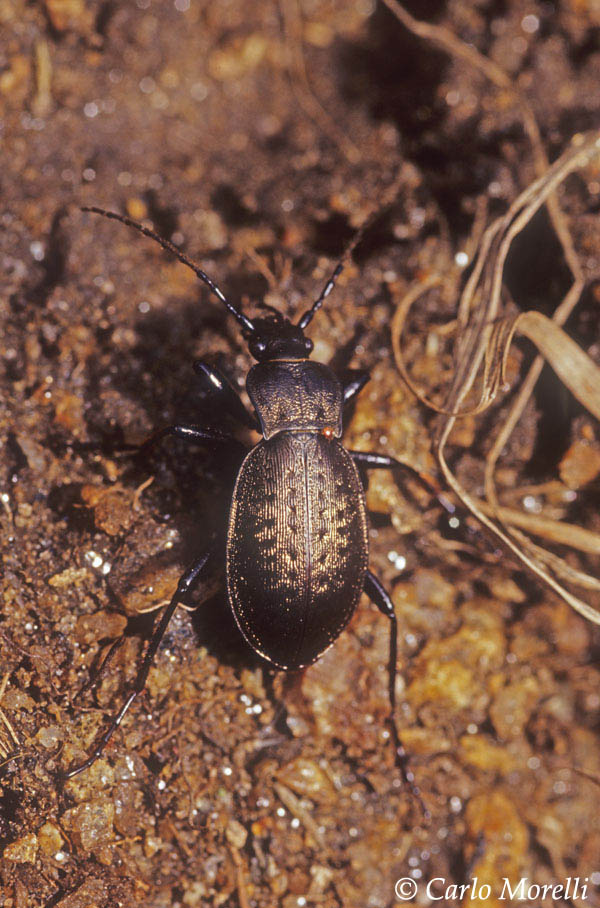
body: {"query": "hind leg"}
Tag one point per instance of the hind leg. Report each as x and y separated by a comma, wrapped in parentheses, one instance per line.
(377, 594)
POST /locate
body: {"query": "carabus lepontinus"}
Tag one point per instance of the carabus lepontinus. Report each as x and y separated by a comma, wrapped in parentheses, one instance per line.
(297, 538)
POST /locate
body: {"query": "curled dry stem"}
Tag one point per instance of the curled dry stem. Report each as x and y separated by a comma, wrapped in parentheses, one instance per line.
(485, 337)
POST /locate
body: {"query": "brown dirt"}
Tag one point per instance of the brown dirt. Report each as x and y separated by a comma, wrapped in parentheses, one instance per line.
(186, 114)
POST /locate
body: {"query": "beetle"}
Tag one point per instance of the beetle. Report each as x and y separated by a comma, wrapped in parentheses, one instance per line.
(297, 536)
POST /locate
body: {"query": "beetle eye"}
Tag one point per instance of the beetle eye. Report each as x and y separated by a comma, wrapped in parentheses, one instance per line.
(308, 344)
(260, 346)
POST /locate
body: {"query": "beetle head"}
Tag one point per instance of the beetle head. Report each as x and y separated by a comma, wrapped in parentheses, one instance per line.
(275, 337)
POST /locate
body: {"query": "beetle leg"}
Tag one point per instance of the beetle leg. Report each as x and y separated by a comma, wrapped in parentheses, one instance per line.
(190, 433)
(227, 395)
(185, 584)
(378, 595)
(372, 461)
(96, 676)
(354, 382)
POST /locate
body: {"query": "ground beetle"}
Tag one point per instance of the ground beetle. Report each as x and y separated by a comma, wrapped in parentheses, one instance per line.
(297, 538)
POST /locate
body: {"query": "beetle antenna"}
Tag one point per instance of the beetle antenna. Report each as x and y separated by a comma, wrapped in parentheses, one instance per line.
(309, 314)
(245, 322)
(390, 197)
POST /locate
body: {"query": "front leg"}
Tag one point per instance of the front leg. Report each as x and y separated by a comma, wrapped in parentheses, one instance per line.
(225, 394)
(190, 433)
(378, 595)
(354, 382)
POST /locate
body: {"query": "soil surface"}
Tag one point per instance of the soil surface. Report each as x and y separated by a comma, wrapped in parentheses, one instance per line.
(258, 137)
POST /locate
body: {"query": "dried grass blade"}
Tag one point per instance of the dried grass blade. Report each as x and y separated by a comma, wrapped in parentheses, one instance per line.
(572, 365)
(483, 288)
